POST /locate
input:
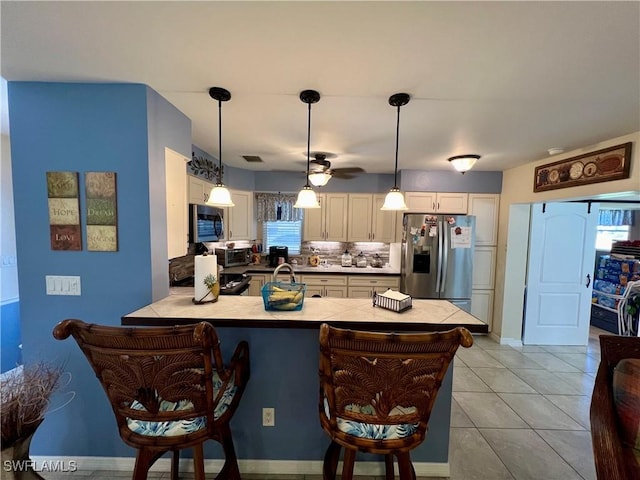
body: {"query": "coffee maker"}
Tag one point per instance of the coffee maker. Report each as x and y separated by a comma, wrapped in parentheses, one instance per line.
(276, 254)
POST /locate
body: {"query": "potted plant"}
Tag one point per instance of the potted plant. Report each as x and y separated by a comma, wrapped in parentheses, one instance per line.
(24, 400)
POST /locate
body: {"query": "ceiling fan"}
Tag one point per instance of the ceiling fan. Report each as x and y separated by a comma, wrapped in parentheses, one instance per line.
(320, 171)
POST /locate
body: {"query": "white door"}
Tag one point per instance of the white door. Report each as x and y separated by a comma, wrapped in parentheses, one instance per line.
(559, 277)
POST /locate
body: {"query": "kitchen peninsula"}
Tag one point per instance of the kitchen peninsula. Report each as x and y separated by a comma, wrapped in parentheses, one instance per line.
(355, 313)
(284, 372)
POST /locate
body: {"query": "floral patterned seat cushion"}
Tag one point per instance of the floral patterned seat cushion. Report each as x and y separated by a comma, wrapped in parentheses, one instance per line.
(182, 427)
(374, 431)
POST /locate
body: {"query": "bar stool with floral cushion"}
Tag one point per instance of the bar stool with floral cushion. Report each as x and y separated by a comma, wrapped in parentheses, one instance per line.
(377, 391)
(168, 387)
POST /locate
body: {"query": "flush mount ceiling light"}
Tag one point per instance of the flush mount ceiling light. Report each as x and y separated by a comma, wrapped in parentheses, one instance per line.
(307, 197)
(555, 150)
(462, 163)
(220, 196)
(394, 199)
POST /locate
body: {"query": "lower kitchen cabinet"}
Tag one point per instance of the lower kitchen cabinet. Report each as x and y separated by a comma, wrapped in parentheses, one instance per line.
(482, 305)
(363, 286)
(257, 282)
(325, 285)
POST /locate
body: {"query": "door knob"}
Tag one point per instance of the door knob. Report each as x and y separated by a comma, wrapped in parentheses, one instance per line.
(588, 280)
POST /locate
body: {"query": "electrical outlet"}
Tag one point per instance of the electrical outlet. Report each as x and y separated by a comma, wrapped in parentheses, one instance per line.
(268, 417)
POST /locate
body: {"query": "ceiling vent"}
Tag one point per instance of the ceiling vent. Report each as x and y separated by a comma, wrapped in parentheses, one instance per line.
(252, 158)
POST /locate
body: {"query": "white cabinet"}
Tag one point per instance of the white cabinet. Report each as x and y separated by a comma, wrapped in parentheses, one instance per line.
(199, 190)
(325, 285)
(176, 191)
(239, 224)
(485, 207)
(257, 282)
(484, 268)
(363, 286)
(366, 222)
(482, 305)
(436, 202)
(329, 222)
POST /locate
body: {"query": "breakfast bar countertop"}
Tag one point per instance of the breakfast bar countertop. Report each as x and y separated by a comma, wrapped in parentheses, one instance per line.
(355, 313)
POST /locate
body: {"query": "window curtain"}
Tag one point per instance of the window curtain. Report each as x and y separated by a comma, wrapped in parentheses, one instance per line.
(616, 218)
(272, 207)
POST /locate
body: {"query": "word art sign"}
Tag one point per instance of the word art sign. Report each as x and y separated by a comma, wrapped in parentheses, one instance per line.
(64, 211)
(102, 211)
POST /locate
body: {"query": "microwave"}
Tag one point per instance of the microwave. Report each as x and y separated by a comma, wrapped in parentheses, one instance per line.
(230, 257)
(205, 224)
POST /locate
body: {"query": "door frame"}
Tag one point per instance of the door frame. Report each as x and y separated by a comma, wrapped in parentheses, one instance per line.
(515, 271)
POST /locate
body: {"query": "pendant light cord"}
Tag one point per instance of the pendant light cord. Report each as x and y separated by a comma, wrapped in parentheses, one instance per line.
(395, 171)
(308, 144)
(220, 142)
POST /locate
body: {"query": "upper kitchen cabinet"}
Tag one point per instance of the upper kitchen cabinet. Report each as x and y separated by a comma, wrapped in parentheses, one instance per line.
(329, 222)
(177, 220)
(199, 190)
(240, 217)
(436, 202)
(366, 222)
(485, 208)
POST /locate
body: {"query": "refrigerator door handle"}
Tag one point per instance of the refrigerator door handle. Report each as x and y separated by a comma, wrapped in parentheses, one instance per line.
(445, 248)
(439, 266)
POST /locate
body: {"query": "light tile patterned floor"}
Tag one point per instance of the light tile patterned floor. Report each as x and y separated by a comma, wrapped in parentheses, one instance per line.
(517, 414)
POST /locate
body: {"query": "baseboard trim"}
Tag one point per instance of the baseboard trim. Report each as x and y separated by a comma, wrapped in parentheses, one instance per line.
(277, 467)
(512, 342)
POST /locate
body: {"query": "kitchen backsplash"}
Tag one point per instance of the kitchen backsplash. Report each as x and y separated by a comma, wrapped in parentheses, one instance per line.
(329, 251)
(332, 251)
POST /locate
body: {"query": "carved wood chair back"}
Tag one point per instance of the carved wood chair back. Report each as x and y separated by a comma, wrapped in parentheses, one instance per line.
(377, 391)
(613, 460)
(168, 387)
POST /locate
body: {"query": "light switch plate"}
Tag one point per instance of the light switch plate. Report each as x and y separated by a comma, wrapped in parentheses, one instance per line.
(62, 285)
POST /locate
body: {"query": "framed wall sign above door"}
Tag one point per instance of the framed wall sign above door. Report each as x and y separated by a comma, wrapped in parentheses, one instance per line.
(611, 163)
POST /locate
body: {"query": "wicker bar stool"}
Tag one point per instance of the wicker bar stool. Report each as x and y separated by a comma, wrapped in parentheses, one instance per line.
(168, 387)
(377, 391)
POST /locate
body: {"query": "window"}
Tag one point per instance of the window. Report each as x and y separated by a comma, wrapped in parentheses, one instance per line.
(606, 235)
(283, 233)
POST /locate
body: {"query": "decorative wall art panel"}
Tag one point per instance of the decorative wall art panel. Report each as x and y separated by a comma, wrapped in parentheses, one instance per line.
(611, 163)
(102, 211)
(64, 211)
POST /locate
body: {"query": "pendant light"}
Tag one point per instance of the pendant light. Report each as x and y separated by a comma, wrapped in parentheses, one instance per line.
(220, 196)
(394, 199)
(307, 197)
(462, 163)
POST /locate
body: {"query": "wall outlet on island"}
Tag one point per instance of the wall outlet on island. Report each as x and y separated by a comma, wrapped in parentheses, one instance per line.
(268, 417)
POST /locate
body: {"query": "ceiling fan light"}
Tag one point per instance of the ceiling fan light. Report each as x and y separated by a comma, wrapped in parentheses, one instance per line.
(394, 200)
(462, 163)
(220, 197)
(319, 179)
(307, 198)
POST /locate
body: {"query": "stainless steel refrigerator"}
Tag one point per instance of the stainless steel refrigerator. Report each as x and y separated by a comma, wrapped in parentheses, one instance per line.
(437, 257)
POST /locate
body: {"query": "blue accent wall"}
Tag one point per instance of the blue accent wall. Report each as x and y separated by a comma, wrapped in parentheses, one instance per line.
(473, 181)
(10, 354)
(84, 127)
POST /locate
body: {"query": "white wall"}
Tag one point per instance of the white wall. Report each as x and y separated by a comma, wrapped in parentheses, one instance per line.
(517, 188)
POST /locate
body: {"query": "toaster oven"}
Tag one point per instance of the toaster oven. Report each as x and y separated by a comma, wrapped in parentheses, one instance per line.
(230, 257)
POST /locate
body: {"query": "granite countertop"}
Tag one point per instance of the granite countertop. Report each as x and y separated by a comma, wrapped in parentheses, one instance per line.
(246, 311)
(331, 269)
